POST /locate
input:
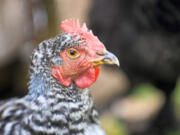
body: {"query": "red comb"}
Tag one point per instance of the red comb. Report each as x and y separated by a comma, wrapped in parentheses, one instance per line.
(72, 26)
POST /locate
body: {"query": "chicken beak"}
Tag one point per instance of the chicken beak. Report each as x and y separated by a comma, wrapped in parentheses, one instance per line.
(109, 58)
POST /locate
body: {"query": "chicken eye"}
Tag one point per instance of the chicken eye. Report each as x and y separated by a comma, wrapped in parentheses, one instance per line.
(73, 53)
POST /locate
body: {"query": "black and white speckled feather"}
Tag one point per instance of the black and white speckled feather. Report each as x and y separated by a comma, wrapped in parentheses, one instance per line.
(50, 108)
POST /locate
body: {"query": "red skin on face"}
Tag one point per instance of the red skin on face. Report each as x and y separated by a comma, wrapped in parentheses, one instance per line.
(79, 70)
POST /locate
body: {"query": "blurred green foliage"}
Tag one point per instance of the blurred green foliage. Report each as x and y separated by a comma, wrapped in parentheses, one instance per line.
(144, 90)
(112, 125)
(173, 133)
(176, 99)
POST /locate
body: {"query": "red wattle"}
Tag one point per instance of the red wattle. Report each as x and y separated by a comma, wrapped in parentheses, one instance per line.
(97, 72)
(87, 78)
(83, 81)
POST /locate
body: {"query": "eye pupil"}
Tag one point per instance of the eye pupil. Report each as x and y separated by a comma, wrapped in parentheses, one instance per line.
(72, 52)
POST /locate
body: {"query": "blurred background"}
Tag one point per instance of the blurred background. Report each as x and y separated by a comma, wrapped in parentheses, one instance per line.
(142, 97)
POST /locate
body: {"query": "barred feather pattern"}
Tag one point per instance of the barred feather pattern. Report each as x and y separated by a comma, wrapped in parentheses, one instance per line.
(53, 114)
(50, 108)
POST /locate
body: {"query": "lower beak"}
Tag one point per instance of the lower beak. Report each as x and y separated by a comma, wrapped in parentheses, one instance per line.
(109, 58)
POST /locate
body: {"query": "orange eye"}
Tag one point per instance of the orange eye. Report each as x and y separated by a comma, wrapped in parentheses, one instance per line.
(73, 53)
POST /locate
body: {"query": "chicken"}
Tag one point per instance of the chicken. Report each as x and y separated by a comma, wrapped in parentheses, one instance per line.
(58, 102)
(145, 37)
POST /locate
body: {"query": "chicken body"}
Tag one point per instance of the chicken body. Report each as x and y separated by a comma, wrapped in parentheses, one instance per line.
(72, 114)
(50, 108)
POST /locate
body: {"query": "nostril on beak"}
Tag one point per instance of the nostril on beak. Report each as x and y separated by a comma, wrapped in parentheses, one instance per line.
(100, 53)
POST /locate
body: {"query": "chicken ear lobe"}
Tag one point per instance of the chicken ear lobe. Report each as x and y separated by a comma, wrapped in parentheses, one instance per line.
(57, 74)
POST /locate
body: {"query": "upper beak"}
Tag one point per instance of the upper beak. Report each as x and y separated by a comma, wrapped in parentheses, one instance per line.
(108, 58)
